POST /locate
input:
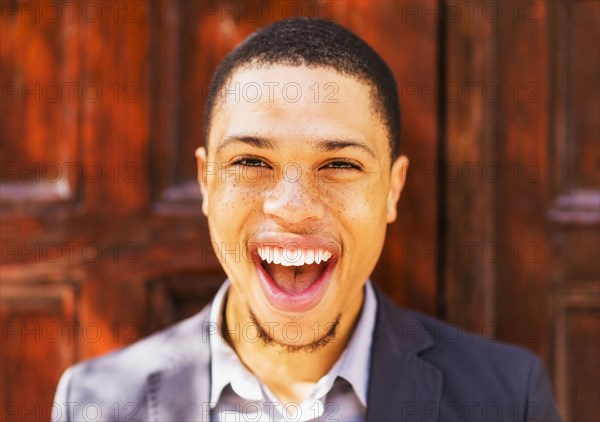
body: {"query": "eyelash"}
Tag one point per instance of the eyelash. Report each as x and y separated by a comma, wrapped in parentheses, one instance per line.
(344, 165)
(244, 161)
(257, 162)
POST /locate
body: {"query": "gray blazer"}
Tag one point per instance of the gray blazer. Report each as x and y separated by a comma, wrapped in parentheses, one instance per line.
(421, 370)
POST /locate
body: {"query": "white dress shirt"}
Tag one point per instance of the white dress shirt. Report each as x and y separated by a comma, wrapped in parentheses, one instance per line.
(236, 395)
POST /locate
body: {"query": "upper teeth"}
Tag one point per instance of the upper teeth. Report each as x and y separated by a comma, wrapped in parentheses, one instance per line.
(292, 256)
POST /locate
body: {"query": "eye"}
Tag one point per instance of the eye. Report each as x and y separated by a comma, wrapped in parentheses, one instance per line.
(250, 162)
(343, 165)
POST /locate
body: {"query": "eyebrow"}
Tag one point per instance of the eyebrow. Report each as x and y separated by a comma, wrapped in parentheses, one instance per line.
(323, 146)
(328, 146)
(254, 141)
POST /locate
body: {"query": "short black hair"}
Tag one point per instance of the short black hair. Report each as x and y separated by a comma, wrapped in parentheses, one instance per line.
(303, 41)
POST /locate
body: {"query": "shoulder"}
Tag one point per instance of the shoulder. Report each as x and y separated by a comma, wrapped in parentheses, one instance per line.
(487, 376)
(150, 353)
(473, 366)
(413, 327)
(485, 357)
(119, 381)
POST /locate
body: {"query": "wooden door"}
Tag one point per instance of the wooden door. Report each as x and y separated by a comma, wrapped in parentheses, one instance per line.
(102, 237)
(522, 185)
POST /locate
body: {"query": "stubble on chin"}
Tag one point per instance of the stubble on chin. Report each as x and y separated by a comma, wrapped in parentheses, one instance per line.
(317, 344)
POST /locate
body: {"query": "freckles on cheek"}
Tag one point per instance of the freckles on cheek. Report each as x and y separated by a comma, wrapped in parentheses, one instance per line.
(234, 197)
(330, 194)
(350, 203)
(352, 198)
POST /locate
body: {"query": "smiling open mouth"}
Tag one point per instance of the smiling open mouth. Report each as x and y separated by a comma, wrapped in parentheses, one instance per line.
(294, 278)
(292, 269)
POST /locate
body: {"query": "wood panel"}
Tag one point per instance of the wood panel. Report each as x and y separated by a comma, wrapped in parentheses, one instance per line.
(523, 129)
(39, 78)
(540, 207)
(40, 333)
(573, 212)
(177, 296)
(583, 73)
(114, 129)
(577, 341)
(495, 165)
(469, 90)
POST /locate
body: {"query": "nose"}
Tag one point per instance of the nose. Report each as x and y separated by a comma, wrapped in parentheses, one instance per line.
(294, 199)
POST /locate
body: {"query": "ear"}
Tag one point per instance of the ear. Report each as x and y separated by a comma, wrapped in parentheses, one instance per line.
(397, 180)
(202, 162)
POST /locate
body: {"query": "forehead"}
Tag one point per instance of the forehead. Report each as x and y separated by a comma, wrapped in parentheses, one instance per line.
(299, 102)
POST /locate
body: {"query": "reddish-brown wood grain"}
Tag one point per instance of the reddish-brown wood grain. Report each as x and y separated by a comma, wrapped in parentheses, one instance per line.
(102, 234)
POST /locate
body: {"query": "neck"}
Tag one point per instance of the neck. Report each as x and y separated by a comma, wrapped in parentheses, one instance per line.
(291, 373)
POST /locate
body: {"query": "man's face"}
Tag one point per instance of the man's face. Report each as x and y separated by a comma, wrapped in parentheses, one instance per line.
(297, 169)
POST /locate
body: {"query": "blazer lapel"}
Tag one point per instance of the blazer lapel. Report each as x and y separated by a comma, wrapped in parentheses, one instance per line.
(402, 385)
(180, 389)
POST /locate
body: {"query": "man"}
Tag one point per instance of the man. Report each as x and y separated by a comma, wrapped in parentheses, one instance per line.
(301, 173)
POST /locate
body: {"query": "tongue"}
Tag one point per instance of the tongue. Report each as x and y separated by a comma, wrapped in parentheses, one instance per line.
(294, 279)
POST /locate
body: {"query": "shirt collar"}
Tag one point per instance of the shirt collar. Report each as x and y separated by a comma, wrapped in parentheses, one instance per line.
(356, 360)
(353, 365)
(226, 367)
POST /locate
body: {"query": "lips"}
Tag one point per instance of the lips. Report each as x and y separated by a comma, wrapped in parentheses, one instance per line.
(294, 271)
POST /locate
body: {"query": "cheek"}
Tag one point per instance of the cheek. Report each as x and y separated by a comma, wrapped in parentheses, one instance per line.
(232, 200)
(359, 206)
(362, 214)
(230, 208)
